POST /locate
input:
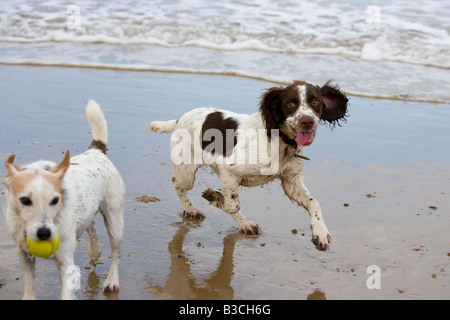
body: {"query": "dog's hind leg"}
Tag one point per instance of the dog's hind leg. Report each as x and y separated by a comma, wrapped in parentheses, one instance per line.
(112, 212)
(183, 179)
(228, 201)
(95, 249)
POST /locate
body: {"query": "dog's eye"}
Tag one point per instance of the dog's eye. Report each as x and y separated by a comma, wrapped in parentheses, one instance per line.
(25, 201)
(291, 105)
(315, 102)
(54, 201)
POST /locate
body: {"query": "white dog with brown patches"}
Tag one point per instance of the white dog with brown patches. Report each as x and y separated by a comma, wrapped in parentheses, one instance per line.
(288, 119)
(46, 199)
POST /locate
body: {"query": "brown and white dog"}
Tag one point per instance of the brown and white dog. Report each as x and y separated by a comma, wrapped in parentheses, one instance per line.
(252, 150)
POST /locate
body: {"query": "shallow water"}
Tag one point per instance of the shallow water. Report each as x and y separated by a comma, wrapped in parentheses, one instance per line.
(388, 164)
(392, 49)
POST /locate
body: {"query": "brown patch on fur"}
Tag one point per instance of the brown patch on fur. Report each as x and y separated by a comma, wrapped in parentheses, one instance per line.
(278, 103)
(335, 103)
(217, 121)
(100, 145)
(9, 164)
(18, 182)
(299, 82)
(61, 168)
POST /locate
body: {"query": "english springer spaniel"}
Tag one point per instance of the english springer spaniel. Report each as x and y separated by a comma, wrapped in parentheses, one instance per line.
(252, 150)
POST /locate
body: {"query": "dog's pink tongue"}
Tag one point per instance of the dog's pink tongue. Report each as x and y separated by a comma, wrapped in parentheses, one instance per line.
(303, 137)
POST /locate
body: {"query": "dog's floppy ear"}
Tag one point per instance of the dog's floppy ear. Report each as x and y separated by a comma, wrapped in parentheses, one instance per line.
(270, 107)
(335, 103)
(60, 169)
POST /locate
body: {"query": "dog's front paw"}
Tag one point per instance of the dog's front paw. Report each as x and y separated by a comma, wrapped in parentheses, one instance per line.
(108, 287)
(321, 243)
(250, 229)
(320, 236)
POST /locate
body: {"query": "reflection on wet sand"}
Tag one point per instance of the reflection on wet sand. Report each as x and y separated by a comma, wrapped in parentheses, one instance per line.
(93, 290)
(181, 283)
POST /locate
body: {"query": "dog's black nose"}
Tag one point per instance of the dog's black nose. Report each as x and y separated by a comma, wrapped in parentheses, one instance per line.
(43, 233)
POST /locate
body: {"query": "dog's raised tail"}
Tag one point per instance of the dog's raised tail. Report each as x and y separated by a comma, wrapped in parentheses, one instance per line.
(98, 126)
(163, 126)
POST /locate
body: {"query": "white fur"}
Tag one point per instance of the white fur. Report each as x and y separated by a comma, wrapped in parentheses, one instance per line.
(97, 121)
(304, 110)
(90, 184)
(233, 174)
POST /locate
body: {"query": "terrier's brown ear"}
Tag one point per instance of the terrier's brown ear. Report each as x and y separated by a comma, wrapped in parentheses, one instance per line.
(60, 169)
(10, 167)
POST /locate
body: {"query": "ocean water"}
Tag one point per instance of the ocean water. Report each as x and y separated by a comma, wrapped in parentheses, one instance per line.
(389, 49)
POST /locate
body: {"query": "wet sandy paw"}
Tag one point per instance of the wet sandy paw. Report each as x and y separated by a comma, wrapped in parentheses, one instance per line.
(214, 197)
(250, 229)
(321, 244)
(193, 215)
(110, 287)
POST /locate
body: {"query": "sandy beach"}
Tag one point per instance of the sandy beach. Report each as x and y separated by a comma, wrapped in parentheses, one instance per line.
(382, 180)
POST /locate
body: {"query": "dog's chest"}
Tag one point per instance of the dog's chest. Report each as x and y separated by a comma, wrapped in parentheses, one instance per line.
(257, 180)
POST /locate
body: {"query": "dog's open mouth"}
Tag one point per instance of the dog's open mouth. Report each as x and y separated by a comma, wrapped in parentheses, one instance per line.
(304, 138)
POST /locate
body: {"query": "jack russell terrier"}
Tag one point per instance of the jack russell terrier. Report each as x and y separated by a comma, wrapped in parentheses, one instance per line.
(47, 199)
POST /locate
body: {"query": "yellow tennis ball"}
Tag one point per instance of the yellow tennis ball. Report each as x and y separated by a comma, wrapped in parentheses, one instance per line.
(43, 248)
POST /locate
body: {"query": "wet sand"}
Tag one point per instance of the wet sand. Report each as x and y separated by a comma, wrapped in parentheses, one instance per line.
(382, 181)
